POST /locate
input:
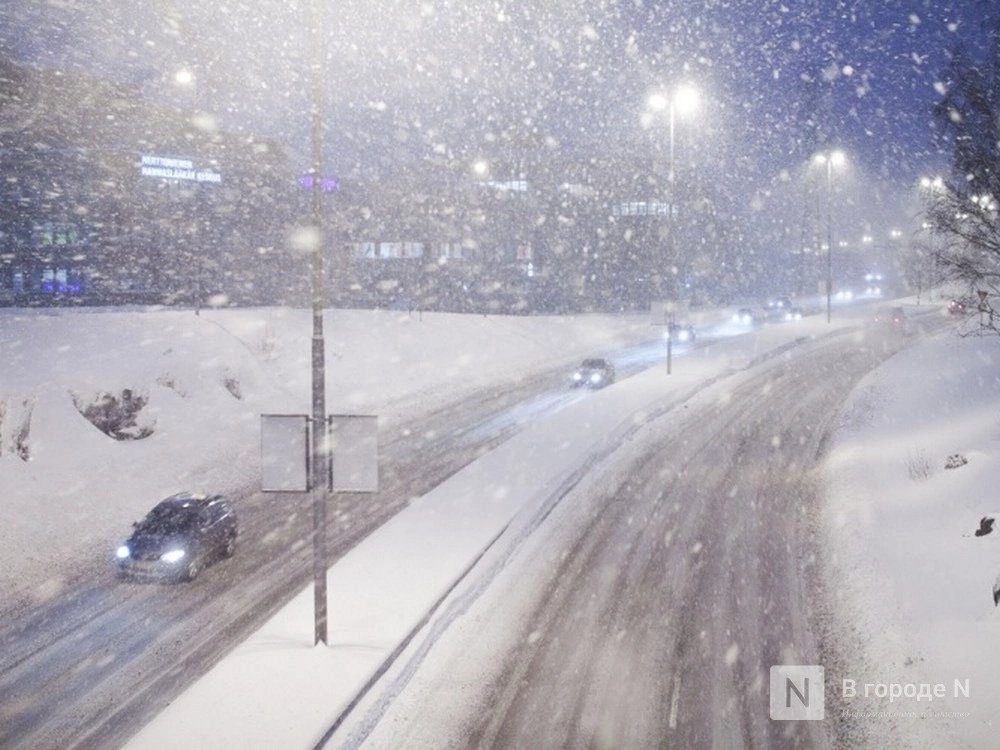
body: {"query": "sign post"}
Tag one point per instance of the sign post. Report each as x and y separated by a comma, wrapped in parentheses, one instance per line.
(340, 456)
(662, 314)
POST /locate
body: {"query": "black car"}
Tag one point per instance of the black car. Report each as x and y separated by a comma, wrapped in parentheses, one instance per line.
(179, 537)
(594, 373)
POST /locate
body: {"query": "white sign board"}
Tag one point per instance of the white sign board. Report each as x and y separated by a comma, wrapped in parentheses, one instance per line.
(354, 447)
(284, 452)
(172, 168)
(662, 312)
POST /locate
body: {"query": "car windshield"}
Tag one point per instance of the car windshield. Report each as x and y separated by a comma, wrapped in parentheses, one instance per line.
(169, 518)
(538, 373)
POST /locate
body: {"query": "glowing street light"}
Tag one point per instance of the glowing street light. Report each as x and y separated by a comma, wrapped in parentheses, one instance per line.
(831, 159)
(683, 100)
(932, 183)
(932, 192)
(481, 168)
(184, 77)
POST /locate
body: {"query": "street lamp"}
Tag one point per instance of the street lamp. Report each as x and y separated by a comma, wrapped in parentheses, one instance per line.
(184, 77)
(481, 169)
(933, 189)
(682, 100)
(831, 159)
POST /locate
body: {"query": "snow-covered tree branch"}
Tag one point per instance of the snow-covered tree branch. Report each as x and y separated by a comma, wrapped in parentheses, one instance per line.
(964, 208)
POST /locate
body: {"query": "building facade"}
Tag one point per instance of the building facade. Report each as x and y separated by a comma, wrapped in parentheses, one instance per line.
(107, 198)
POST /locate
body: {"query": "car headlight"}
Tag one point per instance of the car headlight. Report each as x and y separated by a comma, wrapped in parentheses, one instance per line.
(123, 552)
(577, 376)
(174, 555)
(595, 378)
(683, 335)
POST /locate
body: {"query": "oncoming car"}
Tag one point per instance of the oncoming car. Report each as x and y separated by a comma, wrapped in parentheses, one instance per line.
(680, 332)
(744, 317)
(179, 537)
(793, 313)
(593, 373)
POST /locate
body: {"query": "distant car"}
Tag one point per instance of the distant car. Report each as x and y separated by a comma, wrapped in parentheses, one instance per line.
(957, 307)
(680, 332)
(776, 308)
(744, 317)
(179, 537)
(594, 373)
(793, 313)
(892, 318)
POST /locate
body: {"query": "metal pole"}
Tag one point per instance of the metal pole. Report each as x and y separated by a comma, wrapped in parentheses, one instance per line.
(829, 234)
(319, 441)
(670, 342)
(670, 199)
(670, 174)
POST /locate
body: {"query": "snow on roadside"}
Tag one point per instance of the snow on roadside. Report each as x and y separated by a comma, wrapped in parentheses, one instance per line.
(207, 378)
(276, 690)
(906, 570)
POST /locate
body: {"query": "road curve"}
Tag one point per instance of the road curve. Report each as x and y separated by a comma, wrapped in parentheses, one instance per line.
(652, 618)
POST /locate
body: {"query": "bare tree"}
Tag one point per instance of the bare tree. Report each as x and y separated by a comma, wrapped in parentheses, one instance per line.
(964, 208)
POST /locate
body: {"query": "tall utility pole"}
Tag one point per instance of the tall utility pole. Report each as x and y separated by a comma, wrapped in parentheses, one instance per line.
(682, 100)
(829, 238)
(830, 159)
(319, 439)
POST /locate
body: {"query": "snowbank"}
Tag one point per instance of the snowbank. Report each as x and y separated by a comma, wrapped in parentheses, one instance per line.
(907, 569)
(70, 490)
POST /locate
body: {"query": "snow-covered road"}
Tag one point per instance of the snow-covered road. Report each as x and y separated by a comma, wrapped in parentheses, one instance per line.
(605, 487)
(136, 646)
(651, 603)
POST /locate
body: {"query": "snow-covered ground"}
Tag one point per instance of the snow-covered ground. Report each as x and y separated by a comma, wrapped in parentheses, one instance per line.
(910, 577)
(205, 380)
(278, 688)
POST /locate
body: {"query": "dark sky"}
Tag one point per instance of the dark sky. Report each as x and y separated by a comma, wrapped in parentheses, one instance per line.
(780, 79)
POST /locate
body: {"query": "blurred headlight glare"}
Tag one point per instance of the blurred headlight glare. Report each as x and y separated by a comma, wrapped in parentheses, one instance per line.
(172, 556)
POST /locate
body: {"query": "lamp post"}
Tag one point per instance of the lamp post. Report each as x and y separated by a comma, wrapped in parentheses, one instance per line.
(933, 188)
(682, 100)
(830, 159)
(319, 440)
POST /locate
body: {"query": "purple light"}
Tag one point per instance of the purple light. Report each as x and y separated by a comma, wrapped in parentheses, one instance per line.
(326, 184)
